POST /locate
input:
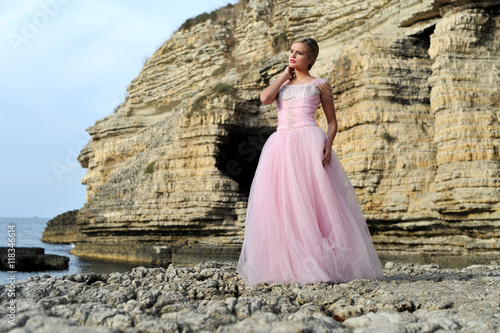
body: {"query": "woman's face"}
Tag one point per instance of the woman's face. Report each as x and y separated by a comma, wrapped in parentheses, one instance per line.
(297, 57)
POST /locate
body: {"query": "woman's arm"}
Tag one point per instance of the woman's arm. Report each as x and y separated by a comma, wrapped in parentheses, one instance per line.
(329, 109)
(268, 95)
(326, 95)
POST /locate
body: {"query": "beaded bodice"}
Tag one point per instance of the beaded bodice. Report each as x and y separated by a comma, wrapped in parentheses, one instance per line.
(297, 105)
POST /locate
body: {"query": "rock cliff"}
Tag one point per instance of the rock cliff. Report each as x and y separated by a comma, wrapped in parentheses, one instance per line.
(416, 88)
(62, 228)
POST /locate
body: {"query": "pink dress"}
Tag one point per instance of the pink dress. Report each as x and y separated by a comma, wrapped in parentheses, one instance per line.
(303, 223)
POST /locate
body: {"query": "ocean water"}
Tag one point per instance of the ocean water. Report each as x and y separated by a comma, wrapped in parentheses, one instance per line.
(29, 234)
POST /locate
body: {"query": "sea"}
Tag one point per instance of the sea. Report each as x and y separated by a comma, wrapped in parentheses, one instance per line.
(29, 234)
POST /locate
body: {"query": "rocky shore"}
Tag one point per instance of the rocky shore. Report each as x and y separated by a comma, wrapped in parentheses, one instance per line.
(212, 297)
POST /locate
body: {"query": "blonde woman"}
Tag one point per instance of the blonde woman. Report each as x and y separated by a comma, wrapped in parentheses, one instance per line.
(304, 223)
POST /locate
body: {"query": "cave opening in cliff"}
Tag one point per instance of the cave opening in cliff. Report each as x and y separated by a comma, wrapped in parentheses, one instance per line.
(239, 154)
(423, 38)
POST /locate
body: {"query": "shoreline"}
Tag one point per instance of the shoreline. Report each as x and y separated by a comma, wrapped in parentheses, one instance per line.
(212, 297)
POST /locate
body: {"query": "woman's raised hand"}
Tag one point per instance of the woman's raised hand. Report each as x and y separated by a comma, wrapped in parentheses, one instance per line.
(268, 95)
(289, 73)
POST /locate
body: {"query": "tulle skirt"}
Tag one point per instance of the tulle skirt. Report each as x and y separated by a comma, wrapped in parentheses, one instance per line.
(304, 223)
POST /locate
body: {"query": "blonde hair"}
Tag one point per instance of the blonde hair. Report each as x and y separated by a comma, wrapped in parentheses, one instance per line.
(312, 49)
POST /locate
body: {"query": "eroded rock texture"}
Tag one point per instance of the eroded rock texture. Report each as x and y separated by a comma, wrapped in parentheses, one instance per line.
(211, 297)
(62, 228)
(416, 88)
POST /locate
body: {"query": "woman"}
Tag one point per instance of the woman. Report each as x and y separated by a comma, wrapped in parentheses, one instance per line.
(304, 223)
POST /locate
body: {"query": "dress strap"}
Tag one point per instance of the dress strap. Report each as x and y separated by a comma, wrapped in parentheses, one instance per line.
(324, 88)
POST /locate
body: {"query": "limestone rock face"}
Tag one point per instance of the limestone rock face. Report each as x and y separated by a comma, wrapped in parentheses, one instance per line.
(416, 87)
(62, 228)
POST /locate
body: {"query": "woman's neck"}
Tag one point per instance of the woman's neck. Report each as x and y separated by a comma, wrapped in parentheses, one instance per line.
(301, 77)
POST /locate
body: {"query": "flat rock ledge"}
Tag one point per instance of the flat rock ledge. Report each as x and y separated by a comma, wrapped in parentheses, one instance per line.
(32, 259)
(211, 297)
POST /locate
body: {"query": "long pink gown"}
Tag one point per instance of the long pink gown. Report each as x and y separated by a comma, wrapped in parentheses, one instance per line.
(303, 223)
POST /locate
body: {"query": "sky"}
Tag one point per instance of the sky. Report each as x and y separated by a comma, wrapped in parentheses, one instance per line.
(63, 65)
